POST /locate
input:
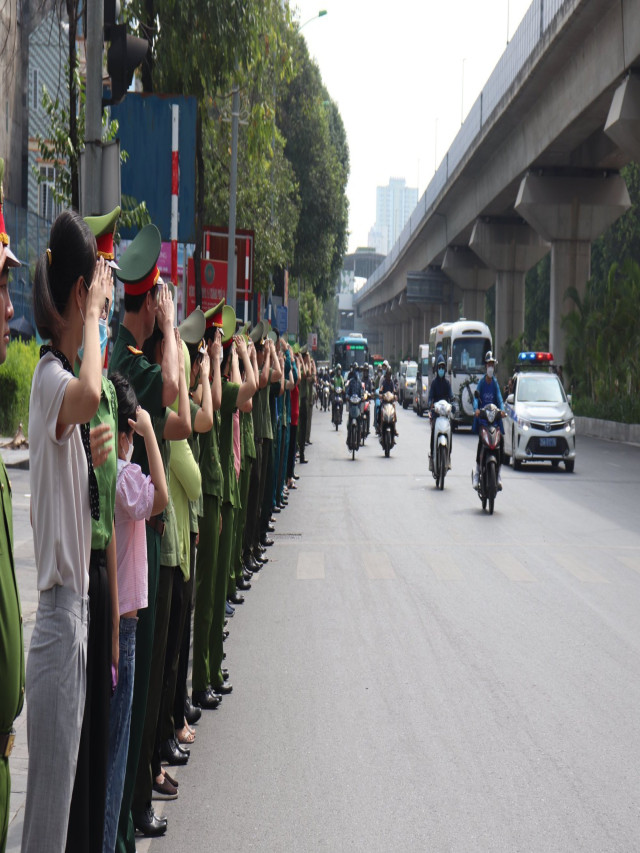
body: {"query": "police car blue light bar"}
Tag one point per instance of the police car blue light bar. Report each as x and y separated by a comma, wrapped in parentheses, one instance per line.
(537, 357)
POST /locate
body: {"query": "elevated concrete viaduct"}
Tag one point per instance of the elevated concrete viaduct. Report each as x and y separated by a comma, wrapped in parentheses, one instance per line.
(534, 168)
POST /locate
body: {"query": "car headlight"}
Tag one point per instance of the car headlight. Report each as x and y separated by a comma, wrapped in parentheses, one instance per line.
(570, 425)
(525, 426)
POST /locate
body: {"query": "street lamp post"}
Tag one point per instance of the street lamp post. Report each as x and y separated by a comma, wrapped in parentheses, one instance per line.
(320, 14)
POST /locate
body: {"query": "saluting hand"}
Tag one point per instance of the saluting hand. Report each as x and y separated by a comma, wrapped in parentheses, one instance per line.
(101, 291)
(205, 367)
(100, 450)
(166, 311)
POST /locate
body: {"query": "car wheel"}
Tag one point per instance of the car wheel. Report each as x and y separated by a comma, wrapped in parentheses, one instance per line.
(569, 465)
(517, 464)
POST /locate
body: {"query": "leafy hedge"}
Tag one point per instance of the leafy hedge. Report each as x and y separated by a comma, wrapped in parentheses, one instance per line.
(15, 385)
(625, 410)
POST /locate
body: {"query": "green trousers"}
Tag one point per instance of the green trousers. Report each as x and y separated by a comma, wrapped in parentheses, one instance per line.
(241, 522)
(125, 842)
(220, 592)
(5, 795)
(144, 778)
(206, 570)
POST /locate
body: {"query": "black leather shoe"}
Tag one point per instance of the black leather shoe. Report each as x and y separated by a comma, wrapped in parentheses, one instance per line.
(242, 584)
(172, 753)
(247, 574)
(205, 699)
(275, 509)
(296, 477)
(266, 541)
(261, 548)
(255, 564)
(225, 674)
(271, 527)
(225, 687)
(191, 713)
(149, 824)
(217, 697)
(236, 598)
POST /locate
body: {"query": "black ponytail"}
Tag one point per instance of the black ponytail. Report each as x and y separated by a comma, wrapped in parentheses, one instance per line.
(71, 254)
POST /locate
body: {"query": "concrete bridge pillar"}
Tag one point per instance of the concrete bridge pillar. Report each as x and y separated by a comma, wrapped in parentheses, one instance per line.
(473, 278)
(623, 121)
(511, 249)
(569, 212)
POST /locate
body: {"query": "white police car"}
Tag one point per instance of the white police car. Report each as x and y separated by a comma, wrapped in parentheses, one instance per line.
(540, 426)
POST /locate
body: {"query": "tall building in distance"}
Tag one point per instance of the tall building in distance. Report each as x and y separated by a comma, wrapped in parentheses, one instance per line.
(394, 205)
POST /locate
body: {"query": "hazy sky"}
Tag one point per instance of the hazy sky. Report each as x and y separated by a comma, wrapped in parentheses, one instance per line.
(395, 69)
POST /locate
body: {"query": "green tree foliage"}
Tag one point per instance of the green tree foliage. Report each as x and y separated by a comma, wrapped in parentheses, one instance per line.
(317, 148)
(15, 385)
(603, 336)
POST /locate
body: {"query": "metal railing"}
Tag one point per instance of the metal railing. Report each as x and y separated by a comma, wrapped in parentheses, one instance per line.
(537, 20)
(29, 234)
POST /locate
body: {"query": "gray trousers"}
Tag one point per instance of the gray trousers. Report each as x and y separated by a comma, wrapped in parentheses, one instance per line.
(55, 692)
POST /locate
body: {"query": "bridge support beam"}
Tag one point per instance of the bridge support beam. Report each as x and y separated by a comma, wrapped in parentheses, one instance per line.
(623, 121)
(511, 249)
(472, 277)
(569, 212)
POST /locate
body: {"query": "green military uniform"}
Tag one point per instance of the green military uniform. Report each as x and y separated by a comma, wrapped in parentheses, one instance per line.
(310, 391)
(11, 648)
(230, 503)
(207, 563)
(138, 265)
(11, 645)
(248, 460)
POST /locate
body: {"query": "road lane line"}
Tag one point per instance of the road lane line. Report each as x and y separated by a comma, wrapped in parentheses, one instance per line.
(631, 562)
(575, 564)
(310, 565)
(510, 567)
(444, 567)
(378, 565)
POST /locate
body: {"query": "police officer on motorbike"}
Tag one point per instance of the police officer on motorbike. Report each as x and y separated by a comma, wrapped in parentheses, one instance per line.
(440, 389)
(487, 392)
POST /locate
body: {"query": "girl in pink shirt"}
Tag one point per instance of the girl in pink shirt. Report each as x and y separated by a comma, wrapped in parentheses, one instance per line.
(138, 497)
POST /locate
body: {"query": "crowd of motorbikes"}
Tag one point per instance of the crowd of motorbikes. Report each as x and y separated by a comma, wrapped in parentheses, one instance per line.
(442, 414)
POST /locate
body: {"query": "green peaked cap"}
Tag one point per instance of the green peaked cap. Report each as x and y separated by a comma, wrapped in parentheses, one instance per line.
(192, 327)
(103, 228)
(258, 332)
(304, 350)
(228, 323)
(141, 256)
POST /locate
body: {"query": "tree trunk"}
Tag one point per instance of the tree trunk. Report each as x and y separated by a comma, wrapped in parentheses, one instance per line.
(147, 31)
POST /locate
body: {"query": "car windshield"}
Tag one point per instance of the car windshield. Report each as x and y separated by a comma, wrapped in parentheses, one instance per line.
(468, 354)
(540, 389)
(412, 370)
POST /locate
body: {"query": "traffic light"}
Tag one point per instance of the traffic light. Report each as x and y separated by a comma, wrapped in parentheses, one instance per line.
(123, 57)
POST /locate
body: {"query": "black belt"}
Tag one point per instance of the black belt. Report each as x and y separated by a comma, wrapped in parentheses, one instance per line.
(156, 523)
(6, 743)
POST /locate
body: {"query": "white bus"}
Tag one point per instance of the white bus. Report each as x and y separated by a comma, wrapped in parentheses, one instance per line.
(464, 345)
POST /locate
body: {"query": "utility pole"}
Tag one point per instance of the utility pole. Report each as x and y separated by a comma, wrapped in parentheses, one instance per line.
(92, 173)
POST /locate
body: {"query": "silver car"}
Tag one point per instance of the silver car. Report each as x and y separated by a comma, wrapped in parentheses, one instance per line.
(540, 426)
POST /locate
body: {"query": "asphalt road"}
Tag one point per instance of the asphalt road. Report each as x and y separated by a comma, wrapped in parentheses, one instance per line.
(412, 674)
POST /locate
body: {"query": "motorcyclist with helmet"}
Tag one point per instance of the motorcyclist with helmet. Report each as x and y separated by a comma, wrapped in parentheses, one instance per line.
(386, 385)
(366, 379)
(440, 389)
(338, 379)
(488, 391)
(354, 386)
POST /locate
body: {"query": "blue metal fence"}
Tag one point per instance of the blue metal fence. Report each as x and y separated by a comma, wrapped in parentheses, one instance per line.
(29, 235)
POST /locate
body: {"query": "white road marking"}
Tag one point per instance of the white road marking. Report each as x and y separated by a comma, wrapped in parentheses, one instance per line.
(511, 567)
(576, 565)
(378, 565)
(444, 568)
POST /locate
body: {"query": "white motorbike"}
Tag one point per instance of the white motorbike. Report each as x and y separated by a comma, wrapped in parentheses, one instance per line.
(441, 447)
(387, 422)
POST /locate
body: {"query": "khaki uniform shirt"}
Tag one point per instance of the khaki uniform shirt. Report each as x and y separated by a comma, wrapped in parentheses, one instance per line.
(11, 645)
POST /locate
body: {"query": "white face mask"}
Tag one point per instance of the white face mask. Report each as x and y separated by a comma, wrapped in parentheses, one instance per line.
(129, 453)
(490, 372)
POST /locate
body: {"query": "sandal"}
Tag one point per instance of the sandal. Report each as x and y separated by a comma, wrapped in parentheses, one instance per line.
(185, 736)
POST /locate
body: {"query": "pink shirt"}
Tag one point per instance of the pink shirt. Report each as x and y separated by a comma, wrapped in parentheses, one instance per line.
(134, 502)
(236, 442)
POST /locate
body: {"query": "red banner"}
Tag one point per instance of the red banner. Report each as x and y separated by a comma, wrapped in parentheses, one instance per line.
(213, 276)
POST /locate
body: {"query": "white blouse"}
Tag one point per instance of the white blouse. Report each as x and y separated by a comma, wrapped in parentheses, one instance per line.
(61, 515)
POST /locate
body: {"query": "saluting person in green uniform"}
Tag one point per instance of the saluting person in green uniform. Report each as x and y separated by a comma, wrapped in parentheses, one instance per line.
(11, 647)
(146, 301)
(234, 394)
(207, 563)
